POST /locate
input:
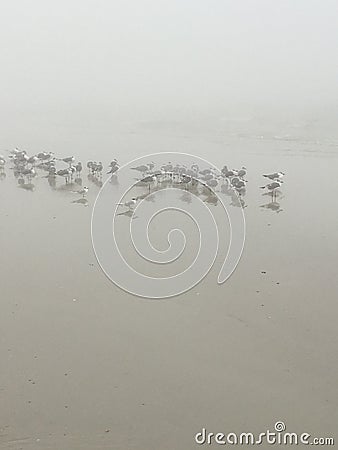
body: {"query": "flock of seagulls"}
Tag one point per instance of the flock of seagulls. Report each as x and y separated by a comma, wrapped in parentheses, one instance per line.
(202, 181)
(190, 178)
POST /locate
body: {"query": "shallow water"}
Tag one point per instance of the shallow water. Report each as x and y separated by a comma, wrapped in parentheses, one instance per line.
(86, 365)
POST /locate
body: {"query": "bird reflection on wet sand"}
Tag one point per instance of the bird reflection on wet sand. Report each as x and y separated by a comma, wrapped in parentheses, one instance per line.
(82, 201)
(114, 180)
(51, 181)
(129, 213)
(236, 197)
(27, 186)
(211, 199)
(186, 197)
(97, 181)
(273, 206)
(68, 187)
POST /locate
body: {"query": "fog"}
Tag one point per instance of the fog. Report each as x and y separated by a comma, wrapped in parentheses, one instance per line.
(145, 58)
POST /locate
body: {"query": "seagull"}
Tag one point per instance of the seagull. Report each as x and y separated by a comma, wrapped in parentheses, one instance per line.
(44, 156)
(66, 173)
(205, 172)
(78, 168)
(186, 180)
(113, 169)
(228, 173)
(68, 160)
(16, 153)
(273, 186)
(167, 167)
(33, 160)
(83, 191)
(21, 157)
(130, 204)
(143, 169)
(113, 163)
(212, 183)
(149, 179)
(99, 168)
(242, 172)
(274, 176)
(29, 173)
(51, 172)
(238, 183)
(72, 170)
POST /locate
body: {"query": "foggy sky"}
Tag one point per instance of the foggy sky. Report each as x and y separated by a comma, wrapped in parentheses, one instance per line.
(167, 55)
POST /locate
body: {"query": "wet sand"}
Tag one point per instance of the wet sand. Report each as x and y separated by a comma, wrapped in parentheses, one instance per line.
(88, 366)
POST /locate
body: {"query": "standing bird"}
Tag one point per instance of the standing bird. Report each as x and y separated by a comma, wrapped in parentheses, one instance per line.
(273, 186)
(90, 165)
(228, 174)
(241, 172)
(205, 172)
(51, 172)
(239, 185)
(212, 183)
(274, 176)
(78, 168)
(186, 180)
(29, 173)
(33, 160)
(130, 204)
(99, 168)
(45, 156)
(83, 191)
(143, 169)
(2, 162)
(113, 169)
(148, 180)
(68, 160)
(113, 163)
(66, 173)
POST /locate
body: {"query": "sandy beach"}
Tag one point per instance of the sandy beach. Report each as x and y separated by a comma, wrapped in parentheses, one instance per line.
(88, 366)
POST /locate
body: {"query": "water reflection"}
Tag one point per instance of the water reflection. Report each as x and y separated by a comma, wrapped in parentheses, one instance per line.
(211, 199)
(129, 213)
(186, 197)
(81, 201)
(114, 180)
(273, 206)
(27, 186)
(95, 180)
(236, 196)
(67, 187)
(51, 181)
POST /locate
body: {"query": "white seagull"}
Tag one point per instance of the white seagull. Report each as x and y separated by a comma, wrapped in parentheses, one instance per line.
(273, 186)
(130, 204)
(274, 176)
